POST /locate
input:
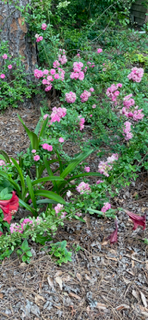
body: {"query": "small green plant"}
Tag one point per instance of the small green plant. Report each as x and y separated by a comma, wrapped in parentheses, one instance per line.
(59, 251)
(24, 252)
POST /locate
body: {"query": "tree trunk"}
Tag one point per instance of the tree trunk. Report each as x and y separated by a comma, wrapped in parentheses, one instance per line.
(13, 31)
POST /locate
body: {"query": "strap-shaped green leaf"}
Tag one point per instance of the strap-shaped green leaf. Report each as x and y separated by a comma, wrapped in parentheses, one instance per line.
(43, 128)
(32, 136)
(26, 206)
(5, 155)
(49, 178)
(31, 191)
(50, 195)
(21, 176)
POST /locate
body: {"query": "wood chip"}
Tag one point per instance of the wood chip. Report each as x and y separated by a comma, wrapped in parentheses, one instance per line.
(73, 295)
(135, 294)
(101, 306)
(143, 298)
(79, 277)
(122, 306)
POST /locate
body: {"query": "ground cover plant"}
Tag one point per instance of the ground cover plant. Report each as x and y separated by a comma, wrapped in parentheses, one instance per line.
(103, 90)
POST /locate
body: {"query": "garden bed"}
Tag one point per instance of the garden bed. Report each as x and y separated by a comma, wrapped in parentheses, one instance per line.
(103, 281)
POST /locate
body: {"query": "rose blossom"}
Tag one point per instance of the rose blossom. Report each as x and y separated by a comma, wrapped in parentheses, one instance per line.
(36, 158)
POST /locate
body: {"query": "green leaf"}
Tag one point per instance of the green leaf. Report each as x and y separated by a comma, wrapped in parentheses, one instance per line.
(26, 206)
(50, 195)
(21, 176)
(32, 136)
(15, 185)
(43, 128)
(31, 192)
(24, 245)
(49, 178)
(73, 164)
(5, 155)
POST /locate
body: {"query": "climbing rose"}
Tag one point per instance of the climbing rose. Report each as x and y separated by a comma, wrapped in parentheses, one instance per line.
(2, 76)
(5, 56)
(44, 26)
(10, 66)
(61, 140)
(36, 158)
(99, 50)
(9, 207)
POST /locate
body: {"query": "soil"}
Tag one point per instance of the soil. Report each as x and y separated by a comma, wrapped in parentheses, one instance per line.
(103, 281)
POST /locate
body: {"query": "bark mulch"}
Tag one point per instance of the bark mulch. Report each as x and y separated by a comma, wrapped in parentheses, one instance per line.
(103, 281)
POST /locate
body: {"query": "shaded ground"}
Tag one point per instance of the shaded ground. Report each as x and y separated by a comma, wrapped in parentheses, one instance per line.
(101, 282)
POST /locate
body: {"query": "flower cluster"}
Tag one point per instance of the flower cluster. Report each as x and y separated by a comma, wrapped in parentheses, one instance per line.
(136, 114)
(78, 73)
(106, 207)
(90, 64)
(15, 227)
(83, 188)
(85, 95)
(70, 97)
(47, 147)
(104, 166)
(57, 114)
(2, 163)
(136, 74)
(81, 123)
(62, 57)
(113, 93)
(58, 209)
(40, 38)
(127, 130)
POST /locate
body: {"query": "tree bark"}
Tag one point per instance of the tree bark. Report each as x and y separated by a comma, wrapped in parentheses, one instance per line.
(13, 31)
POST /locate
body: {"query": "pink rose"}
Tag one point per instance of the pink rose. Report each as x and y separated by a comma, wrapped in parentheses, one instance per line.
(36, 158)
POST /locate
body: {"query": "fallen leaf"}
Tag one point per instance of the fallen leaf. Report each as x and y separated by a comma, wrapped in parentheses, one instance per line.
(87, 277)
(135, 294)
(59, 281)
(122, 306)
(50, 282)
(101, 306)
(68, 278)
(37, 298)
(1, 295)
(79, 277)
(58, 273)
(73, 295)
(143, 298)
